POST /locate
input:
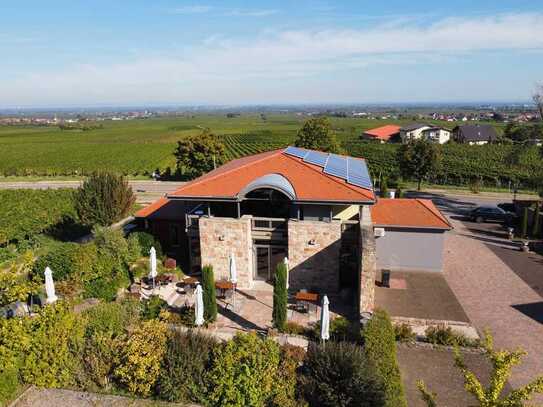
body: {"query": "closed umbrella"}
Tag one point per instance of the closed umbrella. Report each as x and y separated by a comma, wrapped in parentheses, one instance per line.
(199, 306)
(325, 319)
(50, 286)
(233, 276)
(233, 269)
(152, 260)
(285, 260)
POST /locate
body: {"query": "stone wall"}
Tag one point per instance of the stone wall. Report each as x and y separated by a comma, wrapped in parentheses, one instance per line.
(313, 253)
(219, 237)
(368, 261)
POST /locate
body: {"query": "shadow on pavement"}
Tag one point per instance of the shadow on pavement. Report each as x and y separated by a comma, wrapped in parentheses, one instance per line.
(533, 310)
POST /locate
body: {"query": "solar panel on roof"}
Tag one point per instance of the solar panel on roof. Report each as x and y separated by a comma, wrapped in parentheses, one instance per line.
(317, 158)
(296, 152)
(337, 166)
(358, 174)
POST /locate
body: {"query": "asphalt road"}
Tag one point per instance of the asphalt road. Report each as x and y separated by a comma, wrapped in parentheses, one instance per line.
(146, 191)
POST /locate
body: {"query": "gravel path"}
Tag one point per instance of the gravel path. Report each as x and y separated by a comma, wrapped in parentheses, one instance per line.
(488, 289)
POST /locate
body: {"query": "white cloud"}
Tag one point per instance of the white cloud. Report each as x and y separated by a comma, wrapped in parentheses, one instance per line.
(251, 13)
(194, 9)
(223, 70)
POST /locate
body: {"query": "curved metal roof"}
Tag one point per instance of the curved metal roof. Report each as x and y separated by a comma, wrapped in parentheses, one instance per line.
(273, 181)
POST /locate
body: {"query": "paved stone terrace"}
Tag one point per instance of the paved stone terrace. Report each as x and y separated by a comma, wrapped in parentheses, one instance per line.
(493, 295)
(424, 295)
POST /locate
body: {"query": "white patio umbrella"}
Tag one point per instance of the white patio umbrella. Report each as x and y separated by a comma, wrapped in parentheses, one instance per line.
(50, 286)
(233, 276)
(199, 306)
(285, 260)
(325, 319)
(152, 260)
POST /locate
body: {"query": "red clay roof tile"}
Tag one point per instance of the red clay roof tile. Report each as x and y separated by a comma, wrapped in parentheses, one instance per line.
(420, 213)
(384, 132)
(309, 181)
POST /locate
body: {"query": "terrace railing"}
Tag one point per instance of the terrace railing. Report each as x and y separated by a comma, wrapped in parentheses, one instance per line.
(269, 224)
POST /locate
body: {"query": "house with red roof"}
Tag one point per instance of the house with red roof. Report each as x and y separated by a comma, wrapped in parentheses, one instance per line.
(383, 134)
(316, 209)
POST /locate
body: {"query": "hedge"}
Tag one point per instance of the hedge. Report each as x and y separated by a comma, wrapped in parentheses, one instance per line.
(380, 347)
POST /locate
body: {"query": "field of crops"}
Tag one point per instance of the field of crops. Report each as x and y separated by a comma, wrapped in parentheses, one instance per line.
(26, 213)
(137, 147)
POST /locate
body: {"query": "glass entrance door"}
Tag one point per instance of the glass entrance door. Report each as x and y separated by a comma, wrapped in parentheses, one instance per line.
(262, 263)
(266, 259)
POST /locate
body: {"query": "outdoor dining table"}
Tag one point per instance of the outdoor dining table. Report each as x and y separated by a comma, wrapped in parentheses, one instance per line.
(223, 286)
(164, 278)
(189, 284)
(305, 299)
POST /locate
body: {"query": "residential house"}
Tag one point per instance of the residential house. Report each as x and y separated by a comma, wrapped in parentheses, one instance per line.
(431, 133)
(383, 134)
(310, 207)
(475, 134)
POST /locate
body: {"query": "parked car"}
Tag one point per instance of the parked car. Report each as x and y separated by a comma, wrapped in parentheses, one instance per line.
(507, 207)
(491, 214)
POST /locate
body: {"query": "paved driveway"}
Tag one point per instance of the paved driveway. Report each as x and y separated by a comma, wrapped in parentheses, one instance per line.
(499, 287)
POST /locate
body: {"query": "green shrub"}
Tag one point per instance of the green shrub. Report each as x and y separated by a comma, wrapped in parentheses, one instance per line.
(103, 199)
(9, 383)
(341, 329)
(141, 357)
(383, 188)
(100, 357)
(210, 300)
(113, 317)
(244, 372)
(185, 363)
(285, 390)
(61, 260)
(151, 308)
(339, 374)
(51, 357)
(380, 347)
(293, 328)
(146, 241)
(280, 297)
(134, 248)
(441, 335)
(404, 333)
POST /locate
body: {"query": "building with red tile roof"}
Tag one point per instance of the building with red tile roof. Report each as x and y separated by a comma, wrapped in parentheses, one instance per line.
(383, 134)
(307, 206)
(408, 213)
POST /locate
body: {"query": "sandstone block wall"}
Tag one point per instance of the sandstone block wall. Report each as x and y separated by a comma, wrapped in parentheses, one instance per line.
(221, 236)
(313, 253)
(368, 261)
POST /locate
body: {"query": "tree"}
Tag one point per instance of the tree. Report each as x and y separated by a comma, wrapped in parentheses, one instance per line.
(315, 135)
(538, 99)
(103, 199)
(210, 300)
(199, 154)
(280, 297)
(419, 159)
(491, 396)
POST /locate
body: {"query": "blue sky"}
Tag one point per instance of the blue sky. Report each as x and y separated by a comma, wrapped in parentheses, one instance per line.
(91, 53)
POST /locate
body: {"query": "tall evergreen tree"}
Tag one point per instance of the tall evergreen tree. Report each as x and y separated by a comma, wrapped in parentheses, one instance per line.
(280, 297)
(210, 299)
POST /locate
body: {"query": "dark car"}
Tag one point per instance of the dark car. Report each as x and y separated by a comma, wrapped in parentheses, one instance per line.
(491, 214)
(507, 207)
